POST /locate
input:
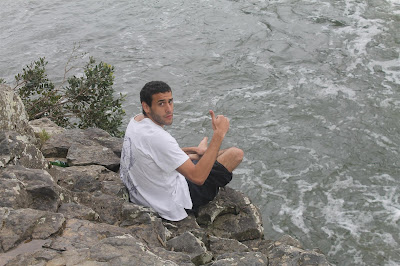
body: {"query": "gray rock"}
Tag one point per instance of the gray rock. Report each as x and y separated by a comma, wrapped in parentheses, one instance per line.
(154, 233)
(132, 214)
(45, 125)
(282, 254)
(16, 149)
(98, 172)
(125, 250)
(82, 155)
(81, 234)
(104, 139)
(107, 206)
(73, 180)
(242, 259)
(58, 145)
(13, 194)
(231, 209)
(13, 114)
(46, 256)
(24, 224)
(40, 191)
(219, 246)
(192, 246)
(180, 258)
(180, 227)
(74, 210)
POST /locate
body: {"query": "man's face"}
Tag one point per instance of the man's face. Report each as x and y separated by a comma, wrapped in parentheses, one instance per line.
(162, 109)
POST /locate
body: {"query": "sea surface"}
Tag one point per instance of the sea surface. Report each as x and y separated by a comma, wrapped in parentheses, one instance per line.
(312, 90)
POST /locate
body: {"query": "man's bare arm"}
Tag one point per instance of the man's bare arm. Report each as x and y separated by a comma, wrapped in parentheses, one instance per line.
(195, 153)
(198, 173)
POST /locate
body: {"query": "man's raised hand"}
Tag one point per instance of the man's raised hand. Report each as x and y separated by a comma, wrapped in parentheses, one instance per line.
(220, 123)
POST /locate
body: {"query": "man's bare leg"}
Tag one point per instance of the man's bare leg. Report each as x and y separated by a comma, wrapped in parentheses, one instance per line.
(230, 158)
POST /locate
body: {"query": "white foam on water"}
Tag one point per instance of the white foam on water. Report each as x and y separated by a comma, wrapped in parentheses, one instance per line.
(389, 67)
(389, 201)
(362, 32)
(335, 211)
(382, 141)
(330, 88)
(296, 210)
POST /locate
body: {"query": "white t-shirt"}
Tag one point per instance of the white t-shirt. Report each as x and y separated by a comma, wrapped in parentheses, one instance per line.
(149, 158)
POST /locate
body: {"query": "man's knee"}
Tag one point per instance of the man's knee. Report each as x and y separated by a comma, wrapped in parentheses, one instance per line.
(237, 154)
(231, 158)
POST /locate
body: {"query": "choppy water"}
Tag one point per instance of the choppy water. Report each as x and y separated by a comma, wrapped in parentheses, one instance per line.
(312, 89)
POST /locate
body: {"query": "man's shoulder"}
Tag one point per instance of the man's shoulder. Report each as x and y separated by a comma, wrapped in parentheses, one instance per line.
(146, 128)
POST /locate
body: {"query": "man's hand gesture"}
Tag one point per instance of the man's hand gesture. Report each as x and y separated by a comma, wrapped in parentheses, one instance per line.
(220, 123)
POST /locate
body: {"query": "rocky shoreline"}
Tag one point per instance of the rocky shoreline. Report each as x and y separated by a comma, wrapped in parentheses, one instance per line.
(81, 214)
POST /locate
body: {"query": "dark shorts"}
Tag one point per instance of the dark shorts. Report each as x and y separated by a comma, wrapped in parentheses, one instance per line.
(218, 177)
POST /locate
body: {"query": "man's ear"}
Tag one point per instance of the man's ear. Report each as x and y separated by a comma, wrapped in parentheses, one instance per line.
(145, 107)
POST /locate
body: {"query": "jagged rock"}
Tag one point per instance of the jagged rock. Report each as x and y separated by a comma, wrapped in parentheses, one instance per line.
(16, 149)
(33, 188)
(98, 172)
(119, 250)
(80, 234)
(12, 194)
(74, 210)
(191, 245)
(154, 233)
(107, 206)
(45, 256)
(180, 258)
(288, 240)
(219, 246)
(282, 254)
(25, 224)
(58, 145)
(82, 155)
(180, 227)
(104, 139)
(74, 180)
(231, 209)
(44, 124)
(242, 259)
(132, 214)
(13, 114)
(259, 245)
(125, 250)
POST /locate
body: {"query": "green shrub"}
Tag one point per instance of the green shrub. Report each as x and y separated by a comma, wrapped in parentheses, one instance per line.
(43, 137)
(86, 101)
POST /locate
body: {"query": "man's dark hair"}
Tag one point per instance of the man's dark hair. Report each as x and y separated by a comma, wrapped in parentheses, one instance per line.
(150, 88)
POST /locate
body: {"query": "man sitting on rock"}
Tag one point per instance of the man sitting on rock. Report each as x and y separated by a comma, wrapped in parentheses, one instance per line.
(160, 174)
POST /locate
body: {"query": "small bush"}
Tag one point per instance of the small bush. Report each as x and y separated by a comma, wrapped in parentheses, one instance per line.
(43, 137)
(86, 101)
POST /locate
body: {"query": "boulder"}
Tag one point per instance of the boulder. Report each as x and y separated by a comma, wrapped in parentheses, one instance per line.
(192, 246)
(242, 259)
(219, 246)
(13, 114)
(33, 188)
(73, 210)
(43, 126)
(25, 224)
(16, 149)
(82, 155)
(231, 209)
(58, 145)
